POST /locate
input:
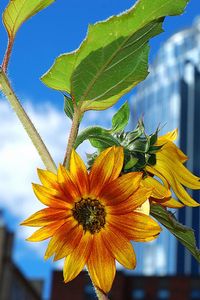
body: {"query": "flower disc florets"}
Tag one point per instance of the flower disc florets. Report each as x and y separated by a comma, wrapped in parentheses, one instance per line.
(90, 214)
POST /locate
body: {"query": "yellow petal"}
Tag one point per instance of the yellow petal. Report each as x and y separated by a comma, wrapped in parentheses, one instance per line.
(45, 216)
(178, 189)
(101, 171)
(121, 188)
(79, 172)
(136, 226)
(75, 262)
(65, 180)
(56, 241)
(144, 208)
(172, 203)
(48, 179)
(158, 190)
(133, 202)
(101, 265)
(169, 136)
(155, 172)
(183, 175)
(45, 232)
(50, 197)
(119, 246)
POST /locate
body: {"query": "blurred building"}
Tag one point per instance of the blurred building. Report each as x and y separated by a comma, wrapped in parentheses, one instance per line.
(13, 284)
(129, 288)
(170, 98)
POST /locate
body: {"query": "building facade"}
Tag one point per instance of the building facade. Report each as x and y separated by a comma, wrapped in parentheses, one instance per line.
(129, 287)
(13, 284)
(170, 98)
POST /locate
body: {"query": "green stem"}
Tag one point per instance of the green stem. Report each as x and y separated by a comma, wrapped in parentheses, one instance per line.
(6, 88)
(72, 136)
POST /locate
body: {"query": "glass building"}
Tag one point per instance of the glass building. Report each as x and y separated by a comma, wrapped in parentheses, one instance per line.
(170, 98)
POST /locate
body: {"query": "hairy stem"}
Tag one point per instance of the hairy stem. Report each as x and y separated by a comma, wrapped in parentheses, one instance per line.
(7, 55)
(72, 136)
(6, 88)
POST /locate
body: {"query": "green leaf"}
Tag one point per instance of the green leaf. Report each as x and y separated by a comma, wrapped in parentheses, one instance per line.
(121, 118)
(68, 107)
(99, 137)
(184, 234)
(114, 56)
(18, 11)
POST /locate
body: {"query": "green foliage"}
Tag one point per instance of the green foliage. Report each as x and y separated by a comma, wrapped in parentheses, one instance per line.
(18, 11)
(184, 234)
(68, 107)
(114, 56)
(121, 118)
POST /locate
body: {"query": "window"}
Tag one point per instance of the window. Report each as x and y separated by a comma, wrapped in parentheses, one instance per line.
(138, 294)
(163, 294)
(195, 294)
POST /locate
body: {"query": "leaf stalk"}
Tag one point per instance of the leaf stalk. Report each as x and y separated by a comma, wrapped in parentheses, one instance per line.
(37, 141)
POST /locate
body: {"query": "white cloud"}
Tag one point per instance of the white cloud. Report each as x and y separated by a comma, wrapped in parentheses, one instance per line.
(19, 159)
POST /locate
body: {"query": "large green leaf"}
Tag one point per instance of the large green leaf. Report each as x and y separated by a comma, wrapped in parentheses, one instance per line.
(184, 234)
(114, 56)
(18, 11)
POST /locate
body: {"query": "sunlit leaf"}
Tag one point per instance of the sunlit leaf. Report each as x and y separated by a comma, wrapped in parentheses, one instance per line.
(18, 11)
(114, 56)
(184, 234)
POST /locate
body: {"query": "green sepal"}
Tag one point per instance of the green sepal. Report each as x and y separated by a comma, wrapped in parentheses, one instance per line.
(131, 163)
(184, 235)
(121, 118)
(98, 136)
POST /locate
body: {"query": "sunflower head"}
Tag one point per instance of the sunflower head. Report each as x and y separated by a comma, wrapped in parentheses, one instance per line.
(91, 218)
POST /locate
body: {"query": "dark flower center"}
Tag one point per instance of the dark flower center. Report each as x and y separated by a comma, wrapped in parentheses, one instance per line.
(90, 214)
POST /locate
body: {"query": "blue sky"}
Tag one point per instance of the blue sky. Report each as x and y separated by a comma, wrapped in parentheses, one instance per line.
(58, 29)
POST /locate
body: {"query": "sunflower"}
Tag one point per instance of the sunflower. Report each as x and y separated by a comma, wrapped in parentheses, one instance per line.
(91, 218)
(170, 170)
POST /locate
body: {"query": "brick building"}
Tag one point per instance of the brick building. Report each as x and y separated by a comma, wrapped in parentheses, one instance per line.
(129, 288)
(13, 284)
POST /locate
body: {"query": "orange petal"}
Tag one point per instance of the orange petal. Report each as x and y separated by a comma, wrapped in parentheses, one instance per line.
(45, 216)
(56, 241)
(121, 188)
(48, 179)
(101, 265)
(50, 197)
(45, 232)
(136, 226)
(79, 172)
(118, 162)
(119, 246)
(144, 208)
(101, 171)
(75, 262)
(159, 191)
(178, 189)
(132, 203)
(69, 242)
(65, 180)
(169, 136)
